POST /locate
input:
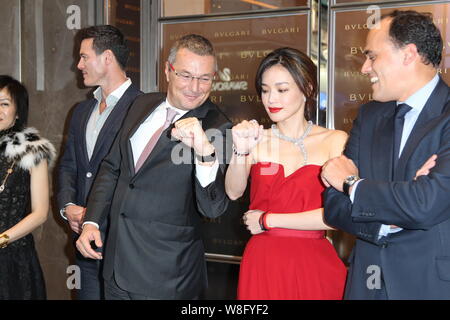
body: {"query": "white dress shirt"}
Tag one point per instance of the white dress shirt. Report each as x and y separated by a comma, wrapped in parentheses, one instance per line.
(417, 101)
(97, 120)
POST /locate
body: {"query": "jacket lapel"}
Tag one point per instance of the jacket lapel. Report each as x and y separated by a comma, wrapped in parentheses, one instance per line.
(432, 109)
(111, 122)
(138, 116)
(83, 127)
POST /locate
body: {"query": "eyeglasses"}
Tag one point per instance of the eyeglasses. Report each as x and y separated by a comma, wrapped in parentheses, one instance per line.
(187, 77)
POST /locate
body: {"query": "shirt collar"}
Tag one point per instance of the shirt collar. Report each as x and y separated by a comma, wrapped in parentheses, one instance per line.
(180, 112)
(113, 96)
(418, 100)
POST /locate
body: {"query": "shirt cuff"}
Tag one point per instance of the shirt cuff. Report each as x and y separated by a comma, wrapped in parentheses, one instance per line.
(353, 191)
(386, 229)
(206, 174)
(61, 211)
(91, 222)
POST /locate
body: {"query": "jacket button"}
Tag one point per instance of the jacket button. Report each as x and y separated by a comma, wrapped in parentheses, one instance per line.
(89, 175)
(131, 186)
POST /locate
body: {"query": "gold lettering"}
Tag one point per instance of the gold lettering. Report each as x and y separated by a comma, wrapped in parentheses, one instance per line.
(280, 30)
(231, 34)
(353, 97)
(358, 26)
(248, 54)
(347, 121)
(216, 99)
(356, 50)
(353, 74)
(250, 98)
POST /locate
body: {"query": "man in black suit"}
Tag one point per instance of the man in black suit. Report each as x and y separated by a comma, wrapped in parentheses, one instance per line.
(93, 127)
(399, 208)
(154, 248)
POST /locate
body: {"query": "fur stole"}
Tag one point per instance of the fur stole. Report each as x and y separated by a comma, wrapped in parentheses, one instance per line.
(27, 148)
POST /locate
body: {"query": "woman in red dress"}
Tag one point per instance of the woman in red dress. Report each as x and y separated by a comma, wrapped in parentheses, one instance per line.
(288, 256)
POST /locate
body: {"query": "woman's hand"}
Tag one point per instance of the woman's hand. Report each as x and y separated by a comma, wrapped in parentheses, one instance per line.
(246, 135)
(251, 219)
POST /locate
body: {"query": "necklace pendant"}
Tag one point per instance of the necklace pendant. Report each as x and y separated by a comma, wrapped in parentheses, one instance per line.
(2, 187)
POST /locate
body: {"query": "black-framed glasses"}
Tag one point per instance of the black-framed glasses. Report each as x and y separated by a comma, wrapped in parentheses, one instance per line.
(187, 77)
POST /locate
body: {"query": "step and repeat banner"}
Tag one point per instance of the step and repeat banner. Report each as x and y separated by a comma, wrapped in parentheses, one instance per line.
(349, 27)
(240, 44)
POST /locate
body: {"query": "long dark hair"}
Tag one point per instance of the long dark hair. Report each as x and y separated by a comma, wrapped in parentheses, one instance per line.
(301, 68)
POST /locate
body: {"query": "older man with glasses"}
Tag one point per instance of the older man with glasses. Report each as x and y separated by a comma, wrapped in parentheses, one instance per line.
(154, 246)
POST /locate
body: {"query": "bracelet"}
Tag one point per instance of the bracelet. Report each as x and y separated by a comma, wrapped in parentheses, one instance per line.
(5, 243)
(240, 154)
(262, 221)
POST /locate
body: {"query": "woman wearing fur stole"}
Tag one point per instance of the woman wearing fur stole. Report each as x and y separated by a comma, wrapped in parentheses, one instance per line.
(24, 194)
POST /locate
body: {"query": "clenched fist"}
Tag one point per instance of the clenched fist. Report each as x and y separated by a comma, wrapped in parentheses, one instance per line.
(246, 135)
(190, 132)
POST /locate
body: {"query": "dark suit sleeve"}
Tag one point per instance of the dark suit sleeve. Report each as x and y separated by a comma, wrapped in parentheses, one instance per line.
(212, 200)
(67, 170)
(338, 206)
(102, 192)
(419, 204)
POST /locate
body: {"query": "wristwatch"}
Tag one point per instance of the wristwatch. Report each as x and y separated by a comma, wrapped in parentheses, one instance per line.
(348, 182)
(208, 158)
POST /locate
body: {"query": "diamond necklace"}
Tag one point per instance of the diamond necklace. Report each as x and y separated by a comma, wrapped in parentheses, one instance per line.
(297, 141)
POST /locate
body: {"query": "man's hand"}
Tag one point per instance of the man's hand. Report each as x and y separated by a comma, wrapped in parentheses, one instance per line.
(425, 169)
(335, 170)
(251, 219)
(246, 135)
(75, 216)
(90, 233)
(190, 132)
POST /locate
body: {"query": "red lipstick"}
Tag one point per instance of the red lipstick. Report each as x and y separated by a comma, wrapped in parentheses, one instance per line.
(275, 110)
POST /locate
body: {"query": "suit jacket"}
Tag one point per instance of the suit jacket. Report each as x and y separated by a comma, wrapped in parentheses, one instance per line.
(415, 262)
(154, 243)
(76, 171)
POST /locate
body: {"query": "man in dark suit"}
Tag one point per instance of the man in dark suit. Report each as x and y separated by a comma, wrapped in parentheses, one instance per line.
(154, 199)
(93, 128)
(399, 208)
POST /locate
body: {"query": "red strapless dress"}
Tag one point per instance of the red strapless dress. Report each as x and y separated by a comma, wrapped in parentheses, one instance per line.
(285, 263)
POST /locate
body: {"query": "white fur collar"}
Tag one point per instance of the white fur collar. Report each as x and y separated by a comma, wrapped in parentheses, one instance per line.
(27, 148)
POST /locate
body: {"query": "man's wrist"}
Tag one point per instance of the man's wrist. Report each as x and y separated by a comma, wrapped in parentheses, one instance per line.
(207, 154)
(348, 183)
(62, 211)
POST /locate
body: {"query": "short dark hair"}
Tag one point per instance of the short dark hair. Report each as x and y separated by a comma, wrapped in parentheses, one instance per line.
(194, 43)
(301, 68)
(418, 28)
(107, 37)
(19, 96)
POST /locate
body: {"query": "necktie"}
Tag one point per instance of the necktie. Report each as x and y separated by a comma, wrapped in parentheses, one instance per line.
(102, 106)
(399, 120)
(152, 142)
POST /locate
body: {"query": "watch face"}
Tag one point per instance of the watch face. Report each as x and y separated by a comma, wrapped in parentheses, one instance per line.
(351, 179)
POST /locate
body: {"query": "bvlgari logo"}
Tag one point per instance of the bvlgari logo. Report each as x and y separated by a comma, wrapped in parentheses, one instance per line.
(229, 82)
